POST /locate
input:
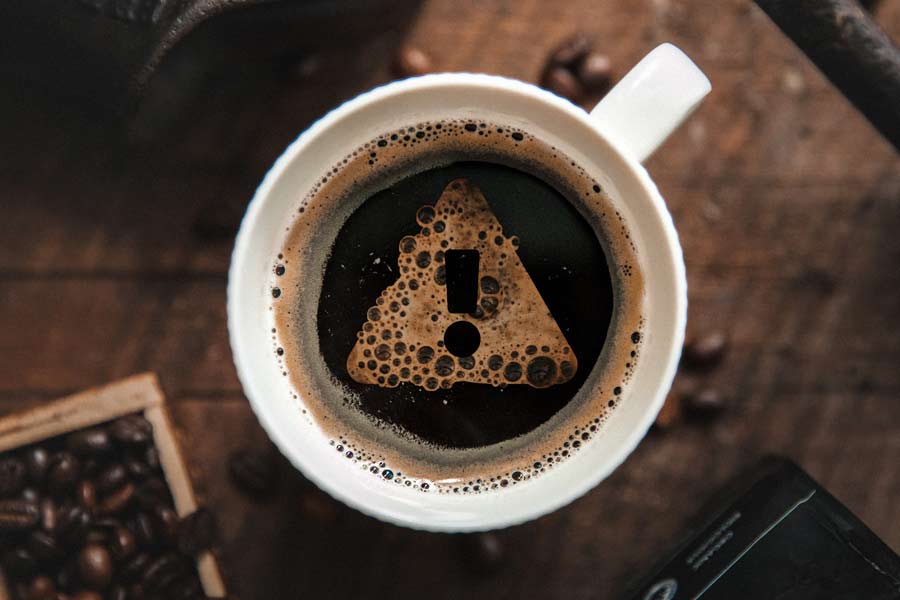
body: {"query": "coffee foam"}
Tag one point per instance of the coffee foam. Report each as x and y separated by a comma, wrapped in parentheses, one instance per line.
(395, 454)
(402, 338)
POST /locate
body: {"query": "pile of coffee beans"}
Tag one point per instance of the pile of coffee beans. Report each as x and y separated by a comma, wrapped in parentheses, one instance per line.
(575, 71)
(88, 516)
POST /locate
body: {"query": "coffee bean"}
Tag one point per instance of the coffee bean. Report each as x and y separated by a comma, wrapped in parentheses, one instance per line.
(118, 500)
(12, 477)
(187, 588)
(86, 494)
(571, 51)
(410, 61)
(36, 461)
(49, 514)
(705, 404)
(63, 471)
(705, 351)
(41, 588)
(595, 71)
(142, 528)
(111, 478)
(117, 593)
(151, 493)
(165, 521)
(91, 595)
(137, 469)
(134, 568)
(319, 506)
(122, 544)
(44, 546)
(95, 566)
(255, 472)
(131, 430)
(67, 576)
(89, 442)
(561, 82)
(30, 494)
(74, 524)
(670, 413)
(17, 515)
(484, 552)
(197, 532)
(151, 457)
(163, 572)
(19, 562)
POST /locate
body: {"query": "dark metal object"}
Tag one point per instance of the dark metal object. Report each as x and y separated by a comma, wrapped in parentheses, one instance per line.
(851, 50)
(103, 53)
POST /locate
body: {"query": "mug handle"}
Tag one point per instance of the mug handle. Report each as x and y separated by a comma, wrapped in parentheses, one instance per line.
(646, 106)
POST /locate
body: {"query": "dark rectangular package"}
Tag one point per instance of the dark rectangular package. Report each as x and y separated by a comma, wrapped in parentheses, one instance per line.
(776, 534)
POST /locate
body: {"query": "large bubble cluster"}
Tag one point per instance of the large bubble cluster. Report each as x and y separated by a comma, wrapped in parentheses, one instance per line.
(403, 339)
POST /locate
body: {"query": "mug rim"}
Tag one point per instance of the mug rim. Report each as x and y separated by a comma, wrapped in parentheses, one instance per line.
(393, 91)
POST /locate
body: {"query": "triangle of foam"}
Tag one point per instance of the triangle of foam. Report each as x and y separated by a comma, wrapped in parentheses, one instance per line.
(402, 340)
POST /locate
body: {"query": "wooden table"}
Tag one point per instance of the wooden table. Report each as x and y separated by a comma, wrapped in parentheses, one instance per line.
(115, 249)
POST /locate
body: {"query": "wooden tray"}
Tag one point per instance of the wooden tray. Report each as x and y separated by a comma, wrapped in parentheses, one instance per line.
(136, 394)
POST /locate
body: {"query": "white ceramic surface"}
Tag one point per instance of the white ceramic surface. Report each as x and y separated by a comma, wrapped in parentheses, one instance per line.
(625, 128)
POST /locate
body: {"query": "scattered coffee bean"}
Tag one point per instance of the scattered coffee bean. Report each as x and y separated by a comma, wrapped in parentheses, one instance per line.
(197, 532)
(36, 460)
(86, 494)
(41, 588)
(410, 61)
(670, 413)
(561, 82)
(13, 475)
(17, 515)
(484, 552)
(63, 471)
(89, 442)
(571, 51)
(705, 404)
(595, 72)
(95, 566)
(91, 595)
(131, 430)
(318, 506)
(705, 351)
(254, 471)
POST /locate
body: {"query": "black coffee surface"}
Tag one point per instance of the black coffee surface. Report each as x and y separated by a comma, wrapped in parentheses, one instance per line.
(560, 251)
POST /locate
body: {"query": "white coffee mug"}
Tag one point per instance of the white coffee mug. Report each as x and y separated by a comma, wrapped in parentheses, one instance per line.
(610, 143)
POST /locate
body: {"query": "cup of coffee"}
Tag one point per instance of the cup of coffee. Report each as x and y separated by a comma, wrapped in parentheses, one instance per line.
(457, 301)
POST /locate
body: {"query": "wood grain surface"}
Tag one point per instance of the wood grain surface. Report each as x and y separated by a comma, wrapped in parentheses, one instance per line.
(116, 241)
